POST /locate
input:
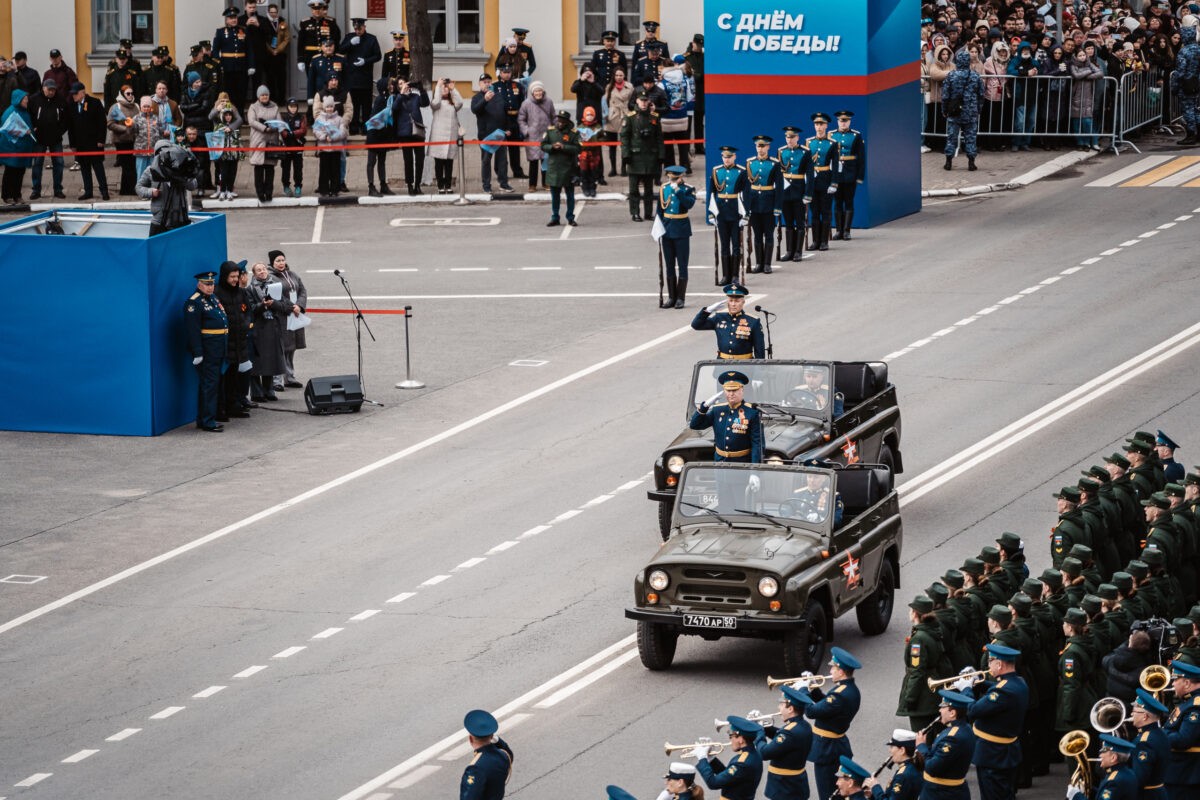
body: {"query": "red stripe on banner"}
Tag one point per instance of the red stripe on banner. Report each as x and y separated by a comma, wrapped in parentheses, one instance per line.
(813, 84)
(399, 311)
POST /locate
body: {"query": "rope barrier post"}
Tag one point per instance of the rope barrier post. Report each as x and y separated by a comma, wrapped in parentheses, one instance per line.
(462, 184)
(408, 382)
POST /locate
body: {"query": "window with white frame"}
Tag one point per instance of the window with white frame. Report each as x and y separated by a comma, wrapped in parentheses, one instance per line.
(114, 20)
(622, 16)
(456, 24)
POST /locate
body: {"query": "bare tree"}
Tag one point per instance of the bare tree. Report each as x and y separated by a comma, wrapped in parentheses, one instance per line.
(420, 38)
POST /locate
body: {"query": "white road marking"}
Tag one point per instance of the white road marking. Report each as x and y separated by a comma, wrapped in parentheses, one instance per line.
(1185, 217)
(402, 269)
(540, 269)
(595, 501)
(121, 736)
(616, 267)
(1137, 168)
(1052, 279)
(500, 548)
(587, 680)
(920, 343)
(360, 616)
(318, 224)
(469, 269)
(1071, 270)
(169, 711)
(435, 580)
(291, 244)
(24, 580)
(289, 652)
(400, 598)
(534, 531)
(328, 632)
(321, 271)
(1148, 234)
(528, 362)
(566, 515)
(1180, 178)
(1130, 243)
(625, 487)
(248, 671)
(33, 779)
(1087, 262)
(209, 692)
(1030, 289)
(942, 332)
(1166, 226)
(983, 312)
(1012, 298)
(412, 777)
(470, 562)
(80, 756)
(1111, 252)
(566, 233)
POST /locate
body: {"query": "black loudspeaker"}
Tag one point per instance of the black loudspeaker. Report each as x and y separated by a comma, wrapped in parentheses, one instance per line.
(334, 394)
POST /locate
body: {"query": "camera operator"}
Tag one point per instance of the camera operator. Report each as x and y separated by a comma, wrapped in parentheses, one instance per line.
(166, 183)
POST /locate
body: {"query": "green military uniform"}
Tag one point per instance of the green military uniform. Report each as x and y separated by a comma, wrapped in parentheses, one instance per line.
(1075, 697)
(924, 658)
(642, 148)
(1069, 530)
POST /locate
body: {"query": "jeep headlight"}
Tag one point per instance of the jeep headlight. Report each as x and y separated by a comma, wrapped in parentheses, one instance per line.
(768, 586)
(675, 464)
(659, 580)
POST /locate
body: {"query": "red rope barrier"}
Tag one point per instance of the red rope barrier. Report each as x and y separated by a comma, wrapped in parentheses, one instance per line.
(399, 311)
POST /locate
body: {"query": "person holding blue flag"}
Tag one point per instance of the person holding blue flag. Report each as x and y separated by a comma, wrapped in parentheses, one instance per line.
(16, 136)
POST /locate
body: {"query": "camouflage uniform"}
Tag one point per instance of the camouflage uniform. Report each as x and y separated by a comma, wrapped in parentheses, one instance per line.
(1187, 68)
(962, 83)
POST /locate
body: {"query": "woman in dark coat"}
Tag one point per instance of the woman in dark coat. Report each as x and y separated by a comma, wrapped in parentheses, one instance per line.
(295, 301)
(239, 310)
(269, 320)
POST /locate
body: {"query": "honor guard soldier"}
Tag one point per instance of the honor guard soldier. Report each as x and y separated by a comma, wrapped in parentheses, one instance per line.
(793, 165)
(525, 50)
(905, 783)
(486, 775)
(737, 425)
(850, 777)
(946, 762)
(852, 170)
(641, 48)
(608, 59)
(1173, 471)
(312, 31)
(739, 780)
(766, 197)
(236, 58)
(728, 190)
(997, 719)
(787, 747)
(739, 336)
(322, 68)
(161, 69)
(819, 186)
(207, 329)
(1153, 750)
(831, 716)
(397, 62)
(1183, 731)
(675, 198)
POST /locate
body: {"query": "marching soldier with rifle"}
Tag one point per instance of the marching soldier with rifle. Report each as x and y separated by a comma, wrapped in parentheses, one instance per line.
(793, 163)
(728, 190)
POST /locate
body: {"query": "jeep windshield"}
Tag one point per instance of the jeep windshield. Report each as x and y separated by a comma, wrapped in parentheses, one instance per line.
(788, 494)
(777, 388)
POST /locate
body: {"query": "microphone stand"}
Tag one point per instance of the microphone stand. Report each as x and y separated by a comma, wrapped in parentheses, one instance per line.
(767, 324)
(360, 322)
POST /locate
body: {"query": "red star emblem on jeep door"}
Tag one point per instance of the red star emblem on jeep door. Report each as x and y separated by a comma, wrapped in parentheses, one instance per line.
(850, 451)
(851, 571)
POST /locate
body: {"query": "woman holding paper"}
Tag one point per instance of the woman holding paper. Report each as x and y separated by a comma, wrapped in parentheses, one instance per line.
(295, 301)
(15, 137)
(269, 323)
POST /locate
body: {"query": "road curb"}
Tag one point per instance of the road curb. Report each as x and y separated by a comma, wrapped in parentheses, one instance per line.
(1051, 167)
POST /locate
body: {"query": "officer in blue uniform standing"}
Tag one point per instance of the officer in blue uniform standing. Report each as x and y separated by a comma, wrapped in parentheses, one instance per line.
(766, 197)
(819, 187)
(675, 199)
(739, 335)
(905, 783)
(831, 716)
(486, 775)
(852, 163)
(728, 196)
(360, 51)
(946, 762)
(1183, 731)
(325, 66)
(739, 780)
(1153, 750)
(793, 166)
(787, 747)
(236, 57)
(737, 425)
(997, 719)
(1117, 778)
(641, 48)
(513, 94)
(1173, 471)
(207, 330)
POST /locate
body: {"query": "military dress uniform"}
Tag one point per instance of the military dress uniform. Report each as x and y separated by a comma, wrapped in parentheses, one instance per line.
(824, 163)
(118, 77)
(739, 780)
(674, 202)
(312, 31)
(905, 784)
(513, 94)
(923, 654)
(207, 330)
(764, 205)
(1182, 730)
(852, 163)
(487, 774)
(397, 62)
(642, 46)
(728, 190)
(320, 70)
(831, 716)
(605, 62)
(793, 166)
(233, 49)
(359, 78)
(737, 430)
(165, 72)
(642, 147)
(1118, 782)
(738, 337)
(947, 760)
(787, 748)
(1075, 696)
(997, 719)
(1069, 530)
(1152, 751)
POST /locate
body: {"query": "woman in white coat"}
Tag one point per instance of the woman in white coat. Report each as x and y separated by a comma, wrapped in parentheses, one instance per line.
(445, 102)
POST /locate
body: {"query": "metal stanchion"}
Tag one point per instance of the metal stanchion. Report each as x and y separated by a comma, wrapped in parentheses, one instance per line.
(408, 382)
(462, 192)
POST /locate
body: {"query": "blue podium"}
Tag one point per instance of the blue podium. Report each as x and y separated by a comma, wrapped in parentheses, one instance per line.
(95, 342)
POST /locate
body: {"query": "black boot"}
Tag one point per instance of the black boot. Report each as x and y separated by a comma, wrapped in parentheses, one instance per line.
(789, 237)
(1188, 140)
(949, 163)
(799, 256)
(680, 292)
(670, 301)
(971, 164)
(824, 233)
(725, 277)
(849, 222)
(815, 232)
(837, 216)
(648, 209)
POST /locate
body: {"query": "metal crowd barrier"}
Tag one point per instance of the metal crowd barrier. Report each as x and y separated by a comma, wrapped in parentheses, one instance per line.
(1144, 100)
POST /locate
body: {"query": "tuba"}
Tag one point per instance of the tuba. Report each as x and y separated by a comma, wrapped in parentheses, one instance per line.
(1074, 744)
(1155, 678)
(1107, 715)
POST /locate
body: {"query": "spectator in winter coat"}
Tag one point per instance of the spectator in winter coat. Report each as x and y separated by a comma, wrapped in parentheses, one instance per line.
(295, 136)
(259, 115)
(196, 101)
(618, 97)
(377, 156)
(1124, 666)
(1025, 94)
(997, 95)
(491, 115)
(147, 130)
(410, 128)
(444, 102)
(63, 76)
(536, 116)
(14, 166)
(86, 132)
(49, 117)
(588, 93)
(940, 67)
(120, 119)
(1084, 75)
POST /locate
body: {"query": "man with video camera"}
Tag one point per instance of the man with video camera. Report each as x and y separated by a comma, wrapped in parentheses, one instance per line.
(166, 183)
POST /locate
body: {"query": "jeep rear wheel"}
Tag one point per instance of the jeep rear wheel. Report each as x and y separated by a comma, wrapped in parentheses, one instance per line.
(875, 612)
(656, 645)
(804, 650)
(887, 459)
(664, 519)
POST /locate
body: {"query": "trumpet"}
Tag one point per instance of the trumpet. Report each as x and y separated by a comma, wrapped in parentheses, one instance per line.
(811, 682)
(1074, 744)
(976, 676)
(672, 749)
(753, 716)
(1107, 715)
(1155, 678)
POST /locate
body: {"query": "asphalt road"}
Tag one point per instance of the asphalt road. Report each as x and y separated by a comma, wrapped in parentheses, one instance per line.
(354, 584)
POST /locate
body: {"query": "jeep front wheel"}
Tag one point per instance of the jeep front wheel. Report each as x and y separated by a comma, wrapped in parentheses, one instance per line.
(804, 650)
(875, 612)
(656, 645)
(664, 519)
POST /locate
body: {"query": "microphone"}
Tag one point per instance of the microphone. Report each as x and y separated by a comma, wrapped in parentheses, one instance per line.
(337, 272)
(760, 309)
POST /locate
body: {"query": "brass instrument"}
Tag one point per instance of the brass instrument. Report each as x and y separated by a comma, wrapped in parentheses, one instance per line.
(753, 716)
(672, 749)
(1074, 744)
(812, 682)
(976, 676)
(1155, 679)
(1108, 714)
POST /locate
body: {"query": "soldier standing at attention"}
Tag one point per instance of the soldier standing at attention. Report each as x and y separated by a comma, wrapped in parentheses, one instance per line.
(489, 770)
(766, 196)
(360, 51)
(642, 148)
(962, 92)
(207, 329)
(608, 59)
(236, 57)
(739, 335)
(997, 718)
(793, 164)
(641, 48)
(852, 160)
(321, 69)
(312, 31)
(737, 426)
(513, 94)
(1069, 530)
(819, 186)
(526, 51)
(923, 655)
(675, 198)
(727, 198)
(397, 63)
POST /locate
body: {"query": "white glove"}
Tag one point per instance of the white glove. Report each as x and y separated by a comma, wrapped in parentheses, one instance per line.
(244, 366)
(300, 66)
(358, 62)
(1074, 792)
(966, 671)
(831, 190)
(753, 483)
(354, 40)
(715, 307)
(250, 71)
(963, 685)
(665, 795)
(196, 361)
(701, 752)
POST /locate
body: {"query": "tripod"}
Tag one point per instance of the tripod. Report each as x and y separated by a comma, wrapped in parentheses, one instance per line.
(360, 323)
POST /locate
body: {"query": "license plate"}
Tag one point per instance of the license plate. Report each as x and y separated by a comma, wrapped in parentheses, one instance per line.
(709, 621)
